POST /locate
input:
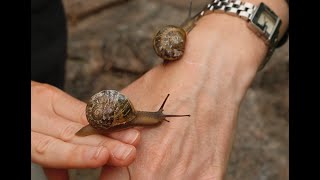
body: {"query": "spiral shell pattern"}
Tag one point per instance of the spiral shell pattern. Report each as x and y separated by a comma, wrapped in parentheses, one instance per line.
(169, 42)
(109, 108)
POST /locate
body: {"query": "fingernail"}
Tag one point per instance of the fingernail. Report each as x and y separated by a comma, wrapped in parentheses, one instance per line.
(131, 136)
(122, 151)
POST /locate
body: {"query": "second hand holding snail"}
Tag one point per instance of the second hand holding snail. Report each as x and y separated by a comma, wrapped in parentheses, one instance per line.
(109, 111)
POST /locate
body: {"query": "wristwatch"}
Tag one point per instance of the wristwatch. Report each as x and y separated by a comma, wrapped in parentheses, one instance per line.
(261, 20)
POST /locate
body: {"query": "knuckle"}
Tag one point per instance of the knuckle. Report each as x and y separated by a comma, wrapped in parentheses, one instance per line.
(105, 142)
(43, 89)
(42, 144)
(68, 132)
(48, 87)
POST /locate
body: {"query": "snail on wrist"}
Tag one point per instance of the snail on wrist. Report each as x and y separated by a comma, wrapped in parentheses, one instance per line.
(169, 42)
(109, 111)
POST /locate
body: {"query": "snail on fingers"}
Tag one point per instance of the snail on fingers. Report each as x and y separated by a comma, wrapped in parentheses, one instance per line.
(109, 111)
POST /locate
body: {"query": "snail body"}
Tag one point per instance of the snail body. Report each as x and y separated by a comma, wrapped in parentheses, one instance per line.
(109, 111)
(170, 41)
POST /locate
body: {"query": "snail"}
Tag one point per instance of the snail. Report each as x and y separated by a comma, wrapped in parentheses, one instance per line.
(169, 42)
(109, 111)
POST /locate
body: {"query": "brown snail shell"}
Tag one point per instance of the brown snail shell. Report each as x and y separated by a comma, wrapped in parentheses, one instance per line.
(109, 110)
(170, 41)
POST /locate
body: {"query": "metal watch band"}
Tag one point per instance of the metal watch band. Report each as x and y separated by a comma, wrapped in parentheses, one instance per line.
(246, 11)
(232, 7)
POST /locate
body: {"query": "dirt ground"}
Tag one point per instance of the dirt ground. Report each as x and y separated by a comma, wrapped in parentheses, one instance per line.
(110, 45)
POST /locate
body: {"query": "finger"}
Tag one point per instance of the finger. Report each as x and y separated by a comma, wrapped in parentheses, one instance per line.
(129, 136)
(58, 101)
(54, 153)
(69, 107)
(65, 130)
(121, 154)
(53, 174)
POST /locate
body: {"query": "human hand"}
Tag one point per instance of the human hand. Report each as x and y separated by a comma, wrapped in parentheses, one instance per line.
(209, 82)
(55, 118)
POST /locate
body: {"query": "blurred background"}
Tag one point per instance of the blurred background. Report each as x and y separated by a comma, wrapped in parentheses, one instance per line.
(110, 45)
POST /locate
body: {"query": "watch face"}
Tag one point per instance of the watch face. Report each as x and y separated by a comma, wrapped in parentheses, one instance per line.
(266, 21)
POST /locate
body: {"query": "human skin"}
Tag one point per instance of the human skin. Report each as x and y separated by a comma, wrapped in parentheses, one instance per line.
(55, 118)
(210, 81)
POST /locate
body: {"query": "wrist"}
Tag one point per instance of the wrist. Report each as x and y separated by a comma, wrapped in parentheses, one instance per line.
(226, 54)
(226, 46)
(244, 10)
